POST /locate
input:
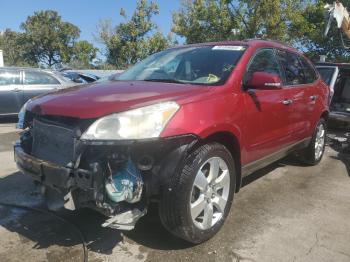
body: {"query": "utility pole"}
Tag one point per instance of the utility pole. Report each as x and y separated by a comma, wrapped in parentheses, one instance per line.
(1, 59)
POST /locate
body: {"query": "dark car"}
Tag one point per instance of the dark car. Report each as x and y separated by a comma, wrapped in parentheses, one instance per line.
(181, 128)
(18, 85)
(80, 77)
(337, 76)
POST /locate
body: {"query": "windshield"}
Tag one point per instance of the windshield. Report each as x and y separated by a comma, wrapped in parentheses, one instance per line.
(207, 65)
(326, 74)
(63, 78)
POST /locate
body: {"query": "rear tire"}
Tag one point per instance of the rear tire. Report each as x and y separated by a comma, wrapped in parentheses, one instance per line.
(197, 199)
(313, 154)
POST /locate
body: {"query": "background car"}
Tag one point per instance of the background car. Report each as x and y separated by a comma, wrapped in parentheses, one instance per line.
(90, 75)
(79, 77)
(18, 85)
(337, 76)
(112, 77)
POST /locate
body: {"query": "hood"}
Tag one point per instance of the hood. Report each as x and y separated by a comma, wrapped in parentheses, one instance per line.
(100, 99)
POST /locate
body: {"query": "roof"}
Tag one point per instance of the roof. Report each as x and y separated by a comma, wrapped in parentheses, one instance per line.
(29, 69)
(247, 42)
(24, 68)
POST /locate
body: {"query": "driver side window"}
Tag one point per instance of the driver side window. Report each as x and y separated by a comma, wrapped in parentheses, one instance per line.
(171, 67)
(263, 61)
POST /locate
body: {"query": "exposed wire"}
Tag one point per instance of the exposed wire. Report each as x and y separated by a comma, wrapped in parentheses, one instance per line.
(82, 239)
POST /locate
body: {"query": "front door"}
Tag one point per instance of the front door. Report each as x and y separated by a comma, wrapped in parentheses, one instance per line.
(11, 91)
(267, 127)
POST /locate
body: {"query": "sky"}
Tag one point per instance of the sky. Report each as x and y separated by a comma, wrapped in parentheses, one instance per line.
(85, 14)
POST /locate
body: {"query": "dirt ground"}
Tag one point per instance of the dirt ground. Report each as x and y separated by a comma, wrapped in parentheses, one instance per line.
(286, 212)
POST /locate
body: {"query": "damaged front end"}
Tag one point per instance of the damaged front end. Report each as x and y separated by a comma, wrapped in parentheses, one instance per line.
(118, 178)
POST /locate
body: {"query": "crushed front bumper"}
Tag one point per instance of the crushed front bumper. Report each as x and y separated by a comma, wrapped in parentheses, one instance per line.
(82, 182)
(51, 174)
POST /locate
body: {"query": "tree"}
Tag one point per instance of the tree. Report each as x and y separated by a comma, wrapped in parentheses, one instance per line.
(204, 21)
(136, 38)
(49, 40)
(313, 40)
(83, 54)
(46, 41)
(12, 45)
(215, 20)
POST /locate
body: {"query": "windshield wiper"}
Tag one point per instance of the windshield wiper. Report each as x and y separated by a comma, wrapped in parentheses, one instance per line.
(164, 80)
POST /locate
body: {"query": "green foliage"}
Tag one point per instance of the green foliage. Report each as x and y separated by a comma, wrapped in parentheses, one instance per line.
(204, 21)
(136, 38)
(216, 20)
(83, 54)
(297, 22)
(12, 44)
(49, 40)
(313, 40)
(46, 41)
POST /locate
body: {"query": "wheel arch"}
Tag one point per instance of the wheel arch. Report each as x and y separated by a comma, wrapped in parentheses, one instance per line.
(231, 142)
(325, 115)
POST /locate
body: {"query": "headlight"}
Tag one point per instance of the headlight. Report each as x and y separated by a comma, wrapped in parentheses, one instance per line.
(21, 116)
(140, 123)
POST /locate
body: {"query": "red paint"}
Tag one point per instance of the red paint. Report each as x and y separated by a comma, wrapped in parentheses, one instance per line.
(259, 120)
(262, 80)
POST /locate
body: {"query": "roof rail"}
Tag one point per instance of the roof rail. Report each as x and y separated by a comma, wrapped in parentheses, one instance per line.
(270, 40)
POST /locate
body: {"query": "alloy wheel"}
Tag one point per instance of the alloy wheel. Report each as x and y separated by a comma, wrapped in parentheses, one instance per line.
(319, 141)
(210, 193)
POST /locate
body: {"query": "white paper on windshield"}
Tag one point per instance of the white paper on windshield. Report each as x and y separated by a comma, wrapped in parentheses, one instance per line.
(229, 47)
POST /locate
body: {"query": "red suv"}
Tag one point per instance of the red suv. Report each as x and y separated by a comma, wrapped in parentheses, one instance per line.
(182, 128)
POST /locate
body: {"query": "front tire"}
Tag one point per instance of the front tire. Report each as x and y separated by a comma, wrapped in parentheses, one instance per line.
(313, 154)
(196, 201)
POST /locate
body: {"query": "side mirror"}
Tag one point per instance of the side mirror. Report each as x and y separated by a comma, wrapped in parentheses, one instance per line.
(265, 81)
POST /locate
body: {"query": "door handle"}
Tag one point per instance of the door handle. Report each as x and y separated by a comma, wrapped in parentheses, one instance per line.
(287, 102)
(16, 90)
(313, 98)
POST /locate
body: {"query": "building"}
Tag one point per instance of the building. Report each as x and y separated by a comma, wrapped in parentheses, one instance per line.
(1, 59)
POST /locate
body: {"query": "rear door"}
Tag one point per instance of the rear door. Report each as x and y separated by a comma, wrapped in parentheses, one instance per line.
(267, 120)
(299, 81)
(37, 83)
(11, 93)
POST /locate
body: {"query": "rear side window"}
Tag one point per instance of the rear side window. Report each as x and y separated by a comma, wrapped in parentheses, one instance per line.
(263, 61)
(39, 78)
(9, 77)
(292, 68)
(309, 71)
